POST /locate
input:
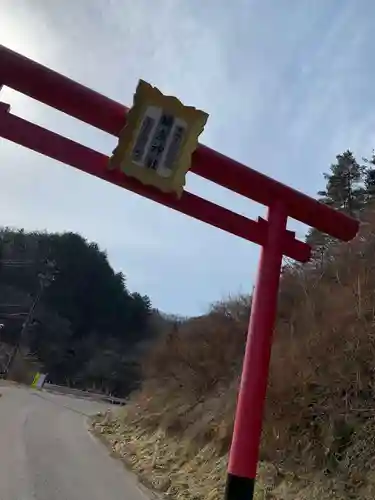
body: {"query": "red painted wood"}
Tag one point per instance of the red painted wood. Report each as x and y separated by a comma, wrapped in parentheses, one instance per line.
(92, 162)
(244, 451)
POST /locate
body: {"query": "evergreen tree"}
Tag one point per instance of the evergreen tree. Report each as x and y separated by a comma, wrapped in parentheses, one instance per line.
(347, 188)
(87, 327)
(369, 178)
(344, 189)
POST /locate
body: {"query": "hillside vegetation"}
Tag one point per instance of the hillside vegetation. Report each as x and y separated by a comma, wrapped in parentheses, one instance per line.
(83, 325)
(319, 429)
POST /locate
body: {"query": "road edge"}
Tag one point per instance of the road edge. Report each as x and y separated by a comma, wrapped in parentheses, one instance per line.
(103, 440)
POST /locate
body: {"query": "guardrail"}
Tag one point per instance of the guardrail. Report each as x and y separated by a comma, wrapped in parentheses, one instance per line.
(97, 396)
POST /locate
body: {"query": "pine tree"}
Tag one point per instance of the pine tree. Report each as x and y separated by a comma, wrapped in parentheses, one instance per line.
(369, 178)
(344, 190)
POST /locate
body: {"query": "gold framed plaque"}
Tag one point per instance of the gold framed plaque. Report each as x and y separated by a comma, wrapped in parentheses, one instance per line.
(158, 140)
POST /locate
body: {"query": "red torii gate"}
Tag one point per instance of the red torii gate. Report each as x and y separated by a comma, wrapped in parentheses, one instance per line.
(68, 96)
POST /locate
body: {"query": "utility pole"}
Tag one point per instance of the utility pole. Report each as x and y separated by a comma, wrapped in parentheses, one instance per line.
(45, 279)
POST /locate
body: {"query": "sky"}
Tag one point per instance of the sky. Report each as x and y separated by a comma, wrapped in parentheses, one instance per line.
(288, 85)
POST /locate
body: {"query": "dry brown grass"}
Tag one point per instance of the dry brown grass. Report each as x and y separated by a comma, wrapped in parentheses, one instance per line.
(319, 427)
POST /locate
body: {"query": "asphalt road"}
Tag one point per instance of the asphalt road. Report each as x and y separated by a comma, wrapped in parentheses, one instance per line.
(47, 453)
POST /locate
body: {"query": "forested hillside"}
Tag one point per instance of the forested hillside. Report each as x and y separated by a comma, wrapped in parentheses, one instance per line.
(319, 428)
(85, 327)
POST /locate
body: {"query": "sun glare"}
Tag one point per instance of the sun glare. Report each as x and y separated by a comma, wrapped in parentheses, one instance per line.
(21, 36)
